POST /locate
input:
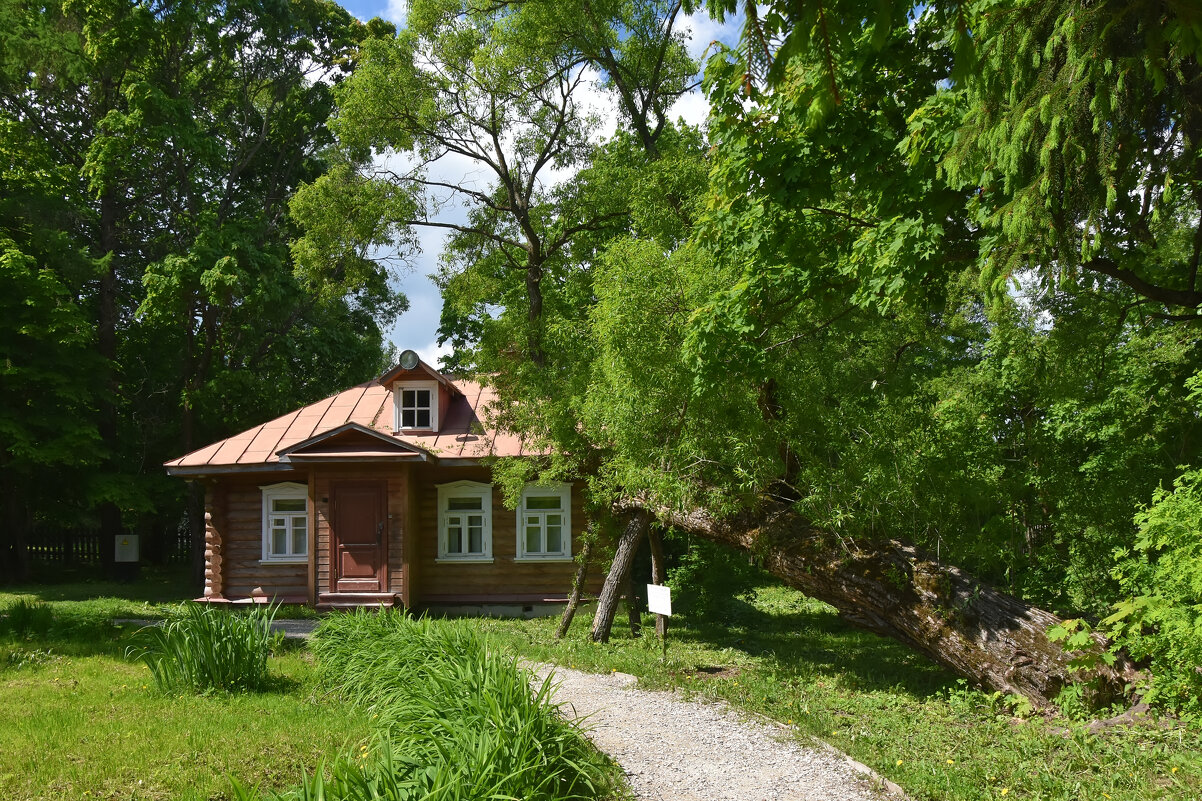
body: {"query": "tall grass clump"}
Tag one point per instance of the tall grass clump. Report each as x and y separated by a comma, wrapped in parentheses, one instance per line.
(457, 721)
(200, 648)
(24, 618)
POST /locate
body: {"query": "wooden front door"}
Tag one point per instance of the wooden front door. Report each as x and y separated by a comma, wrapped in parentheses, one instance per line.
(358, 536)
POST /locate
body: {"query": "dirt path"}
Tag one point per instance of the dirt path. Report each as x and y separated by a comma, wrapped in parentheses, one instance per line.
(677, 750)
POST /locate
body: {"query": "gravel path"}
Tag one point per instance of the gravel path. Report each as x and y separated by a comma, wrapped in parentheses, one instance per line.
(677, 750)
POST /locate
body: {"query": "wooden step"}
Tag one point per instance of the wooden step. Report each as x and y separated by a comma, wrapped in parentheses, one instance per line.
(353, 600)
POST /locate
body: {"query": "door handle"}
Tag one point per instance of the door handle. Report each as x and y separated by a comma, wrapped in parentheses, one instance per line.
(379, 532)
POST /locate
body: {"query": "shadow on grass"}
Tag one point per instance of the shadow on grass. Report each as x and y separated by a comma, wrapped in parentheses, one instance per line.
(805, 644)
(155, 585)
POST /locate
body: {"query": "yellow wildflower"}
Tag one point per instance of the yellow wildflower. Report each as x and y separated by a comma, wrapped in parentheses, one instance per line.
(951, 762)
(1005, 790)
(899, 762)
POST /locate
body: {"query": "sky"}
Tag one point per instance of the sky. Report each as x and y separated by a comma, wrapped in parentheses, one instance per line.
(417, 328)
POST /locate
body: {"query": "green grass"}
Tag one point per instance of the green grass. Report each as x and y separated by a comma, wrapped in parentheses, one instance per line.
(78, 720)
(455, 719)
(781, 655)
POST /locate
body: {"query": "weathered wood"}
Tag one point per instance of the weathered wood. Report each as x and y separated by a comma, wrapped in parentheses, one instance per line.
(607, 602)
(891, 588)
(569, 611)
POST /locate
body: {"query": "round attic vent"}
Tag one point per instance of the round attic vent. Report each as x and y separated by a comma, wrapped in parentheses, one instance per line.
(409, 359)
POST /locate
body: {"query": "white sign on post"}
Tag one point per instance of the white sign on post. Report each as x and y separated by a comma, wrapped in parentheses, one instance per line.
(659, 599)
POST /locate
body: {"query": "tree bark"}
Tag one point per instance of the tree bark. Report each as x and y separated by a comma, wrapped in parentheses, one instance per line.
(659, 575)
(628, 545)
(569, 612)
(890, 588)
(106, 344)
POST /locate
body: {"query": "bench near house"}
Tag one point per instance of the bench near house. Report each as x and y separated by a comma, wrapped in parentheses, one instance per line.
(377, 496)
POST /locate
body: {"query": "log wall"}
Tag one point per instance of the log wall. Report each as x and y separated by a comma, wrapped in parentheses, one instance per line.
(234, 542)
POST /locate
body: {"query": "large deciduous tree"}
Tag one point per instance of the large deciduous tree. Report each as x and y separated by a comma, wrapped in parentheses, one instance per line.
(177, 135)
(951, 275)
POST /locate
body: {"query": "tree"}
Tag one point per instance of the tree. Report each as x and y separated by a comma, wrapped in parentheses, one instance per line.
(178, 135)
(845, 230)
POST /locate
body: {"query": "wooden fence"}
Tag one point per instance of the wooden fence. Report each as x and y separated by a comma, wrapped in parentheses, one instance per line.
(81, 546)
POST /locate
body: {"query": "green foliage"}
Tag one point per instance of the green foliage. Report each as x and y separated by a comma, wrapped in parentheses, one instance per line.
(1160, 619)
(26, 619)
(148, 156)
(713, 582)
(201, 648)
(70, 693)
(457, 719)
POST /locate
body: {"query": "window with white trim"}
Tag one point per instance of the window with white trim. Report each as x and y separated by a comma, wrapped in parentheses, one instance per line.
(545, 522)
(285, 522)
(465, 522)
(416, 405)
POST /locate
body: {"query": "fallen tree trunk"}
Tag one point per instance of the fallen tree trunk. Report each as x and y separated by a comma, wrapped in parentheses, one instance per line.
(993, 639)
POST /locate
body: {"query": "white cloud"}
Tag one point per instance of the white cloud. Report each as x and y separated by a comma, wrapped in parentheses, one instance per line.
(397, 11)
(693, 107)
(702, 31)
(431, 352)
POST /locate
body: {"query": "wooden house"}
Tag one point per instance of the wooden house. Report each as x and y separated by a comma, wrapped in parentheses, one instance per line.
(379, 495)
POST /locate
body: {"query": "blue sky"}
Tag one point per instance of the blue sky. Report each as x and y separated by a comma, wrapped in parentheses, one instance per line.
(418, 327)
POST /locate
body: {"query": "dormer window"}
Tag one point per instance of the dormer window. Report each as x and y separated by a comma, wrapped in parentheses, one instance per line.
(416, 405)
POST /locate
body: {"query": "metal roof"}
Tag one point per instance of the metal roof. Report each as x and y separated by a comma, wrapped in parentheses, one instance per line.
(462, 434)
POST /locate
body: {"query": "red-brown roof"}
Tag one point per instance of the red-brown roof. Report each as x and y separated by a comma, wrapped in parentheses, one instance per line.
(461, 436)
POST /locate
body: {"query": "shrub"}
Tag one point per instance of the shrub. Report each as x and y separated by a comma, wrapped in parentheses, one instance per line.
(709, 580)
(201, 648)
(457, 720)
(1161, 620)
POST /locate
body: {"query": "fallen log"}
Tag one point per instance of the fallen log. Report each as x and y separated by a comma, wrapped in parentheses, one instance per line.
(995, 640)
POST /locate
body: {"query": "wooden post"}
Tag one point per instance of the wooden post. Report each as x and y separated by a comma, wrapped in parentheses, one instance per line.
(659, 575)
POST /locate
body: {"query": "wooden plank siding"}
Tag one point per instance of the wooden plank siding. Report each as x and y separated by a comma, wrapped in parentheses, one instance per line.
(239, 523)
(505, 579)
(234, 541)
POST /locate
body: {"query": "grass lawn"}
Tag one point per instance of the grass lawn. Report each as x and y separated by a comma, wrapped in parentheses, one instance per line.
(779, 654)
(77, 720)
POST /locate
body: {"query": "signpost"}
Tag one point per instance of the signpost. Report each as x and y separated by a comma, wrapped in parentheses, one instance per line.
(659, 601)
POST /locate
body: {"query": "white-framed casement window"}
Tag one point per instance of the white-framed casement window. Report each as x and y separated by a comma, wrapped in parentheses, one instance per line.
(285, 522)
(545, 522)
(416, 404)
(465, 522)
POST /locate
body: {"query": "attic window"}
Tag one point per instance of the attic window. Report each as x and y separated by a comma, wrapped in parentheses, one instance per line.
(416, 405)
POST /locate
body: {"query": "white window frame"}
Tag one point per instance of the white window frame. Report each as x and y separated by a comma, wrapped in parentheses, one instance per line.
(398, 390)
(464, 489)
(288, 491)
(564, 492)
